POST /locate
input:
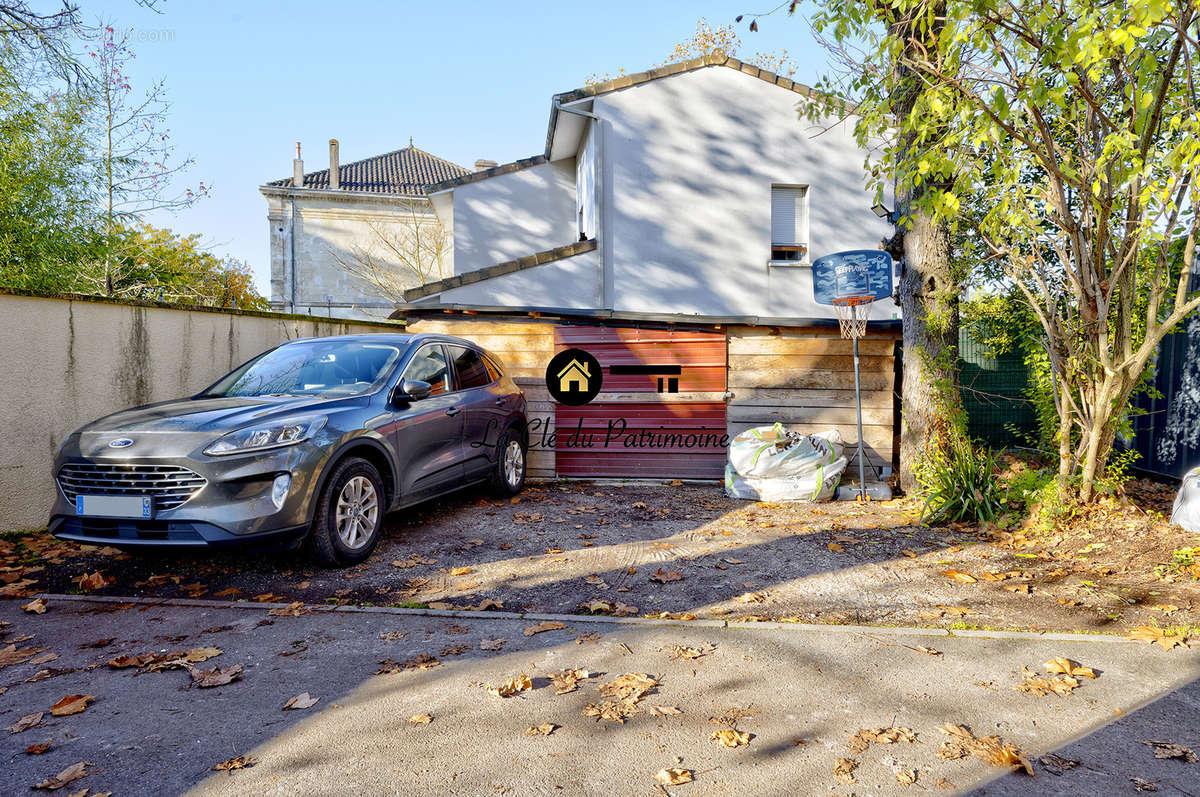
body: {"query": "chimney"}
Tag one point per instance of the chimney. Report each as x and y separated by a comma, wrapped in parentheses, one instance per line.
(298, 169)
(481, 165)
(334, 177)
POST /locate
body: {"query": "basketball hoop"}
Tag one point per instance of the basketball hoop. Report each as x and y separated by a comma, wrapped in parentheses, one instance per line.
(852, 314)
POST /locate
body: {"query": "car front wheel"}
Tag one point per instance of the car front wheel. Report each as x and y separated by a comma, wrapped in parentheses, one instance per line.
(349, 515)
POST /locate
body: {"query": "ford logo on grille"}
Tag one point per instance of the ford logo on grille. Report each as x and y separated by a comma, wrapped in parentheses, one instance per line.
(121, 442)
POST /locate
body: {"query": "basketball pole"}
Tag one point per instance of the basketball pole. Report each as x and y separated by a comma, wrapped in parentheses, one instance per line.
(862, 479)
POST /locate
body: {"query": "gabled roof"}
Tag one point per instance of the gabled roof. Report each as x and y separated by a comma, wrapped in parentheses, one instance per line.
(405, 171)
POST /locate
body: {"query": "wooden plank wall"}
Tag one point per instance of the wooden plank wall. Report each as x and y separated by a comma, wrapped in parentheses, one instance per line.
(804, 378)
(525, 345)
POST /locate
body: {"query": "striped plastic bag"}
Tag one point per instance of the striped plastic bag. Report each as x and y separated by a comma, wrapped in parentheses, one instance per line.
(769, 451)
(1187, 504)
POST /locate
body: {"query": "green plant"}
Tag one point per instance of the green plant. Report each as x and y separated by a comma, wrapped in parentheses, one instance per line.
(959, 484)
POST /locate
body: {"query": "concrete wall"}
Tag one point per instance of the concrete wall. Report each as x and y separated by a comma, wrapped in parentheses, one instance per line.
(332, 225)
(67, 362)
(691, 159)
(513, 215)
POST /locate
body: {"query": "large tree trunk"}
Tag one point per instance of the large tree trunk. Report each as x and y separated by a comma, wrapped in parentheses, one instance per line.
(929, 294)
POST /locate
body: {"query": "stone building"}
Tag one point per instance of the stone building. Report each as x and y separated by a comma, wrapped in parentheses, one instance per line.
(331, 229)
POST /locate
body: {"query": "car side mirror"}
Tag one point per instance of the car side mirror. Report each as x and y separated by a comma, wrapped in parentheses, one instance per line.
(411, 390)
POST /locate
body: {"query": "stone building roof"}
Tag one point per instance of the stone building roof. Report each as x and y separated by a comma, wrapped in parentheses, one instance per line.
(405, 171)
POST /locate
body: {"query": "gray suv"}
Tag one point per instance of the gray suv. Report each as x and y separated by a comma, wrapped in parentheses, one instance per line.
(313, 440)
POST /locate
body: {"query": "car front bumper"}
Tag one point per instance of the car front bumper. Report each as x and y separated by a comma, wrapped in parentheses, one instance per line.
(233, 507)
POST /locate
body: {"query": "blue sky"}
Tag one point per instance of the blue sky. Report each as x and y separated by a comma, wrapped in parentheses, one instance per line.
(465, 80)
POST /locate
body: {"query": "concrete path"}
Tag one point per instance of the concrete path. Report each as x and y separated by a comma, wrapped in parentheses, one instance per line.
(799, 693)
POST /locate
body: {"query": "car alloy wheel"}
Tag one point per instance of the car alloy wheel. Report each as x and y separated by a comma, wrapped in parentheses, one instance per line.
(514, 464)
(357, 512)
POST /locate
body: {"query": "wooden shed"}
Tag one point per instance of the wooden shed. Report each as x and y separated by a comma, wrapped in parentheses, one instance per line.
(695, 382)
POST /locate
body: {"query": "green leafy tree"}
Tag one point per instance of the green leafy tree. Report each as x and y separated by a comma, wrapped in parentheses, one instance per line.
(1074, 128)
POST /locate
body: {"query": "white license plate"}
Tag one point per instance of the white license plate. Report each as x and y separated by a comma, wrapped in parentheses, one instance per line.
(131, 506)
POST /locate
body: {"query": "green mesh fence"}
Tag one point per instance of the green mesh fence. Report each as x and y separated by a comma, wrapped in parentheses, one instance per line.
(993, 393)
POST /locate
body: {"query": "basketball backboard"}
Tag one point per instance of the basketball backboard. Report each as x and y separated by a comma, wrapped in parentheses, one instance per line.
(858, 272)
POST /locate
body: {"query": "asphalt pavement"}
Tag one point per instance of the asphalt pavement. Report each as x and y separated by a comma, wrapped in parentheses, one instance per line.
(800, 693)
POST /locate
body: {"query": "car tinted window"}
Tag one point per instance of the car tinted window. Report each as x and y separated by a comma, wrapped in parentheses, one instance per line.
(429, 365)
(313, 368)
(469, 365)
(492, 368)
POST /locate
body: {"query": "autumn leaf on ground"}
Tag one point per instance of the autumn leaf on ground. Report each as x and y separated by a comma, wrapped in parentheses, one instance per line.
(491, 644)
(266, 597)
(1172, 750)
(664, 711)
(512, 686)
(615, 608)
(71, 704)
(460, 571)
(1148, 633)
(180, 658)
(833, 546)
(36, 606)
(291, 610)
(93, 581)
(241, 762)
(689, 652)
(631, 685)
(906, 777)
(545, 729)
(228, 592)
(596, 581)
(1061, 666)
(959, 575)
(568, 680)
(71, 773)
(865, 736)
(300, 701)
(9, 654)
(128, 660)
(488, 604)
(663, 576)
(1061, 685)
(673, 776)
(991, 749)
(39, 748)
(217, 676)
(844, 768)
(549, 625)
(422, 661)
(26, 722)
(421, 719)
(727, 737)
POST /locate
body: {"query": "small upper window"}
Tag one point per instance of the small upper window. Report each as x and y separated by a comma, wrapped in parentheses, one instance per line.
(789, 222)
(469, 365)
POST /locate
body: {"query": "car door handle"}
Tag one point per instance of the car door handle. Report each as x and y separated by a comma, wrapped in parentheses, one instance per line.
(453, 411)
(499, 402)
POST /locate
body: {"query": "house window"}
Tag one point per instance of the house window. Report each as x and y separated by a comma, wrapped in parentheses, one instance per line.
(789, 222)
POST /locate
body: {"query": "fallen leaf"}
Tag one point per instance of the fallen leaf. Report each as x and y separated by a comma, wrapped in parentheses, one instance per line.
(906, 777)
(727, 737)
(1061, 685)
(491, 644)
(300, 701)
(487, 604)
(615, 608)
(9, 654)
(1148, 633)
(664, 711)
(128, 660)
(39, 748)
(1172, 750)
(1061, 666)
(844, 768)
(421, 719)
(94, 581)
(545, 729)
(833, 546)
(567, 680)
(512, 686)
(991, 749)
(291, 610)
(959, 575)
(266, 597)
(663, 576)
(674, 776)
(71, 704)
(689, 652)
(422, 661)
(71, 773)
(217, 676)
(36, 606)
(26, 722)
(460, 571)
(241, 762)
(549, 625)
(228, 592)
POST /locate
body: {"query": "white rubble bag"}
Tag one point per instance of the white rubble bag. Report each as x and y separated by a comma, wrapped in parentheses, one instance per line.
(1187, 504)
(770, 463)
(775, 451)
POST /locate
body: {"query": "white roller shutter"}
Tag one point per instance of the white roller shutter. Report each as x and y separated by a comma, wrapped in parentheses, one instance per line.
(787, 216)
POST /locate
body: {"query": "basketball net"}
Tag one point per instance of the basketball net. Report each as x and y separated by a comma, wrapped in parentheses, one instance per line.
(852, 314)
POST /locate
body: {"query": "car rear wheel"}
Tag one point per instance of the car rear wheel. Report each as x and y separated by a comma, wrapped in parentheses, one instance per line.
(508, 478)
(349, 516)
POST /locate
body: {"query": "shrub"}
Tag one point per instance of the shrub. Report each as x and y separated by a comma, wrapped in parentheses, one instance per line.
(959, 484)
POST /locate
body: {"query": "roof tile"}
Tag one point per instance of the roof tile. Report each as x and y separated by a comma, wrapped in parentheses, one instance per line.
(405, 171)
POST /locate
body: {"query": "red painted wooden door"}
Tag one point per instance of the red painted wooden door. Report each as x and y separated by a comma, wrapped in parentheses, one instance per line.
(661, 409)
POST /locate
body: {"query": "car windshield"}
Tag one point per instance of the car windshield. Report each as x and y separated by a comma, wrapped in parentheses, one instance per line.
(311, 368)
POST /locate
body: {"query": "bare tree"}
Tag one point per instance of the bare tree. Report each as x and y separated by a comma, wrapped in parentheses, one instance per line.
(399, 255)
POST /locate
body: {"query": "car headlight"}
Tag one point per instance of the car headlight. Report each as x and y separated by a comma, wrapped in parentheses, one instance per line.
(274, 435)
